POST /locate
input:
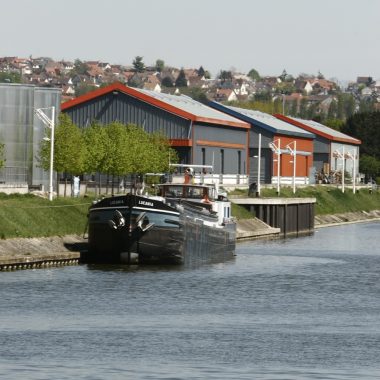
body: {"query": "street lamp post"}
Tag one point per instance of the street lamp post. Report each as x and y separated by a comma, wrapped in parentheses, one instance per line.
(342, 156)
(259, 167)
(293, 152)
(352, 155)
(277, 149)
(50, 123)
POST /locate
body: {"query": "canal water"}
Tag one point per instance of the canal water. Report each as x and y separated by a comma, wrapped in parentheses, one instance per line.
(302, 308)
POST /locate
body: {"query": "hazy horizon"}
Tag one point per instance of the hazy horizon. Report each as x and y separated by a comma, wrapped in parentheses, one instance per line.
(337, 38)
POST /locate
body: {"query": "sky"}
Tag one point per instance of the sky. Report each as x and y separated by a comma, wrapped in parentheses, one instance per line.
(339, 38)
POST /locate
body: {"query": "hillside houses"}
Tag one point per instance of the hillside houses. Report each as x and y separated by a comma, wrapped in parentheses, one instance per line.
(75, 78)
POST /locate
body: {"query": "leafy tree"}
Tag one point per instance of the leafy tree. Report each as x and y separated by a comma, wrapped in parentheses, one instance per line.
(366, 127)
(254, 75)
(283, 75)
(303, 108)
(285, 88)
(320, 75)
(196, 93)
(366, 105)
(160, 65)
(167, 82)
(369, 165)
(333, 110)
(263, 96)
(181, 80)
(83, 88)
(2, 155)
(336, 124)
(207, 75)
(293, 109)
(10, 78)
(69, 149)
(80, 67)
(94, 138)
(201, 72)
(138, 64)
(225, 76)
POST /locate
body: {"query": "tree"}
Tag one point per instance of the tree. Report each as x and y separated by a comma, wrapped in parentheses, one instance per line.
(160, 65)
(320, 75)
(283, 75)
(181, 80)
(225, 76)
(254, 75)
(196, 93)
(366, 127)
(80, 67)
(201, 72)
(138, 64)
(207, 75)
(2, 155)
(167, 82)
(336, 124)
(83, 88)
(94, 138)
(369, 165)
(69, 149)
(10, 78)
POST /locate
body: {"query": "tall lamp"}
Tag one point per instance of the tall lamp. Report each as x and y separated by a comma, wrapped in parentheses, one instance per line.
(50, 123)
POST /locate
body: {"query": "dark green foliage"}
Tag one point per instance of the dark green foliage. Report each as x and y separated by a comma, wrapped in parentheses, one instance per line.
(366, 127)
(181, 80)
(160, 65)
(201, 72)
(254, 75)
(2, 155)
(138, 64)
(167, 82)
(225, 76)
(83, 88)
(196, 93)
(10, 78)
(370, 166)
(80, 68)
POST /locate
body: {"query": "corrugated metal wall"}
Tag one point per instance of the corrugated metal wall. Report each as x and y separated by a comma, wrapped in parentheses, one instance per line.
(22, 132)
(128, 110)
(224, 158)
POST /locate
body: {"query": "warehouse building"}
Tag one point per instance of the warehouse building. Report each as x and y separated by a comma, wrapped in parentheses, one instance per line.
(272, 145)
(333, 150)
(200, 134)
(21, 131)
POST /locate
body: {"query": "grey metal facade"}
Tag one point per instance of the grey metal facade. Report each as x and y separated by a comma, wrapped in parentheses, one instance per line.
(225, 159)
(22, 132)
(122, 107)
(117, 106)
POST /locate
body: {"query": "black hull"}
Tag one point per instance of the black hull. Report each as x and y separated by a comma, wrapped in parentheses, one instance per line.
(175, 237)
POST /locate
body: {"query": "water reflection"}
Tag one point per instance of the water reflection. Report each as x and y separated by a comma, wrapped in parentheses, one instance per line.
(305, 308)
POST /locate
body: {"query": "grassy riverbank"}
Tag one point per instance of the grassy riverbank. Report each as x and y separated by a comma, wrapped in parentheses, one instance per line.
(330, 200)
(32, 216)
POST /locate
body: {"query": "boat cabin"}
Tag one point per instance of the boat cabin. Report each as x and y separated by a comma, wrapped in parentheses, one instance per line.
(187, 191)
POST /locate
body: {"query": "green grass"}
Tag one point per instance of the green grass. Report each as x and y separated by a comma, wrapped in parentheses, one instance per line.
(331, 200)
(32, 216)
